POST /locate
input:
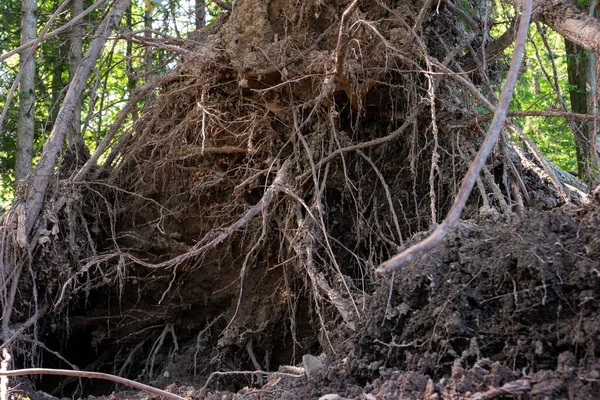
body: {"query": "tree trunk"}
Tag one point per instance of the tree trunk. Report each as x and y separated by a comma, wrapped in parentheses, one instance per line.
(26, 126)
(577, 67)
(200, 13)
(74, 138)
(148, 34)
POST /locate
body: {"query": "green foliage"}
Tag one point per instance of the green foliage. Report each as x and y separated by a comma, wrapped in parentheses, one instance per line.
(10, 12)
(537, 90)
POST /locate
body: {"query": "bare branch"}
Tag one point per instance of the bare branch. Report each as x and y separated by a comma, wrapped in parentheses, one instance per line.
(55, 32)
(493, 49)
(137, 95)
(576, 26)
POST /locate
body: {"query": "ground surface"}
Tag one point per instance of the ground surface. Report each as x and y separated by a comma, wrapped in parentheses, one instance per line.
(505, 304)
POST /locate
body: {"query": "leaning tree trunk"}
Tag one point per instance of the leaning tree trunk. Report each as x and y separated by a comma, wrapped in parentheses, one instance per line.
(47, 164)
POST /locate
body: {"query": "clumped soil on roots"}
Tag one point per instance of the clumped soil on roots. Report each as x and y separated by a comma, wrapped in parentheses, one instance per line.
(238, 228)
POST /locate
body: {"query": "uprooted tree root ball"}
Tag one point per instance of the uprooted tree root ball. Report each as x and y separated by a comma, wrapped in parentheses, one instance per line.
(237, 225)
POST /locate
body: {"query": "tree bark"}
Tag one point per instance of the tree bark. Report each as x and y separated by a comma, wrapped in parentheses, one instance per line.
(26, 125)
(36, 191)
(148, 34)
(200, 13)
(577, 67)
(74, 138)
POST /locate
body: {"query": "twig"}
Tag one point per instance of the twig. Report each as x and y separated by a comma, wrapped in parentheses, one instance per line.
(138, 94)
(157, 43)
(92, 375)
(470, 179)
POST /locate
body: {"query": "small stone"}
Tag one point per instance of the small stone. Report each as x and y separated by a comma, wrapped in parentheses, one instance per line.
(331, 396)
(312, 365)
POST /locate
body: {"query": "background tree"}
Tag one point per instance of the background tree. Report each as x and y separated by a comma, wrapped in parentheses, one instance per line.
(74, 137)
(200, 13)
(26, 126)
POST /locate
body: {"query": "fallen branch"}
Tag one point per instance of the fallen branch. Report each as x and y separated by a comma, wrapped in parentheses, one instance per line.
(92, 375)
(475, 168)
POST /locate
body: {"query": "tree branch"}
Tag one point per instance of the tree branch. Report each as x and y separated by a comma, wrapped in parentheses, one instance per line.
(492, 49)
(223, 5)
(55, 32)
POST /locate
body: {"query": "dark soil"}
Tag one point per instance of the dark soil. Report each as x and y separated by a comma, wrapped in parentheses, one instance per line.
(511, 305)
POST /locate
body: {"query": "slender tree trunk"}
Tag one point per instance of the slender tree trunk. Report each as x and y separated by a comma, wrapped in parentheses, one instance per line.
(74, 138)
(578, 68)
(200, 13)
(148, 34)
(26, 126)
(131, 74)
(57, 87)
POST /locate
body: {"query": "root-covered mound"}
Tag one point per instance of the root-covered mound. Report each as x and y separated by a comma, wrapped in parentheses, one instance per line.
(239, 226)
(512, 304)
